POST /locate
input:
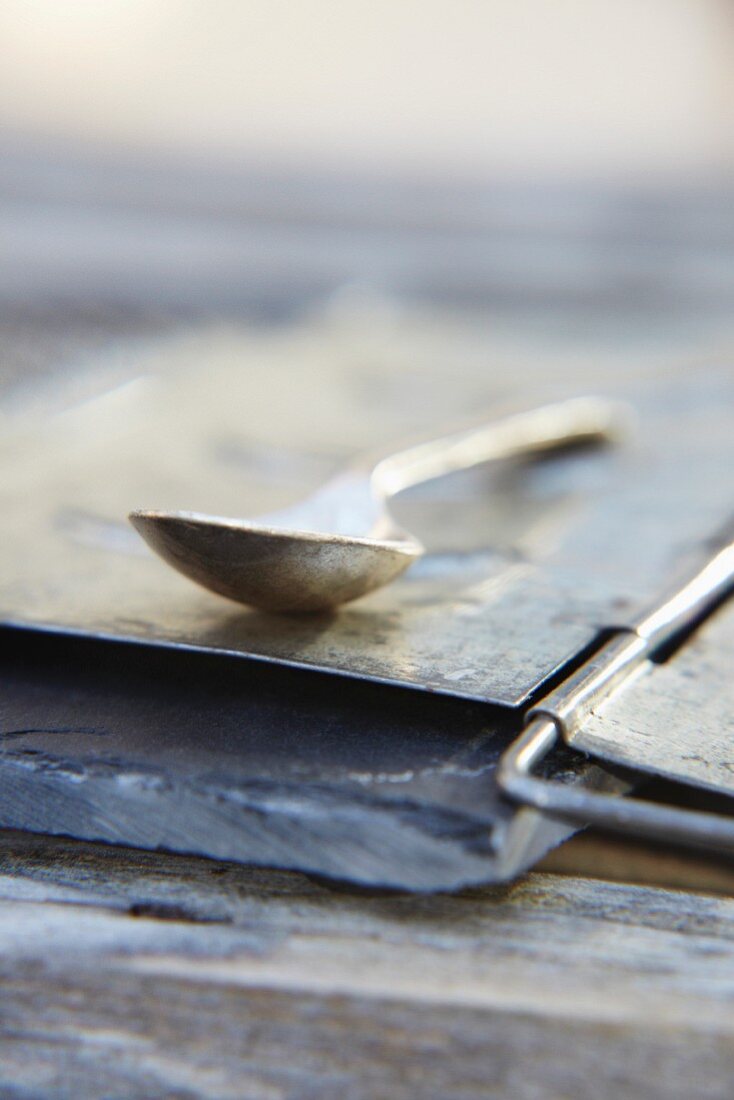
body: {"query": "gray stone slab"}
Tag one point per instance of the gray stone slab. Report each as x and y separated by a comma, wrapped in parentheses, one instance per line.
(265, 765)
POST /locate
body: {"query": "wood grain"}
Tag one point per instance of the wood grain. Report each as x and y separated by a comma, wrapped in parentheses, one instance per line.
(129, 974)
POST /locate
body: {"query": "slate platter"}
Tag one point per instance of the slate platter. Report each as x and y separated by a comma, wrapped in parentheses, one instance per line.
(526, 561)
(101, 741)
(214, 756)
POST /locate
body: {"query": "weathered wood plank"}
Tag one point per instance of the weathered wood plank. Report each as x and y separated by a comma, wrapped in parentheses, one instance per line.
(135, 974)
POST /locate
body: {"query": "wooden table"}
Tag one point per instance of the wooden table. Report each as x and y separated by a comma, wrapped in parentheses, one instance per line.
(131, 974)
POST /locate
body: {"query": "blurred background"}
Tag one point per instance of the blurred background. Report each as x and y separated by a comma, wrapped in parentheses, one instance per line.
(560, 170)
(636, 89)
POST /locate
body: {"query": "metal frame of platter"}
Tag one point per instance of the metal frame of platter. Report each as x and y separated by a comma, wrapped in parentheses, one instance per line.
(564, 715)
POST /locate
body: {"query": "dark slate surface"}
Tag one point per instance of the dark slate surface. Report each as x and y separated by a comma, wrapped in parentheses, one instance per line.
(241, 761)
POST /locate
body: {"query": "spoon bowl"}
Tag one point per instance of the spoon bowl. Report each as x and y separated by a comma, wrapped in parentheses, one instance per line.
(276, 569)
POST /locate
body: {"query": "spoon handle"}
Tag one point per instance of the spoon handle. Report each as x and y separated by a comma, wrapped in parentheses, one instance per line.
(547, 428)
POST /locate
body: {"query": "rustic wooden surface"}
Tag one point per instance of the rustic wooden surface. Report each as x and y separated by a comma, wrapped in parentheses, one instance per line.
(129, 974)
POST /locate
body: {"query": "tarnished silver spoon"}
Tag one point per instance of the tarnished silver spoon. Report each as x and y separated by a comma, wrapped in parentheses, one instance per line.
(342, 542)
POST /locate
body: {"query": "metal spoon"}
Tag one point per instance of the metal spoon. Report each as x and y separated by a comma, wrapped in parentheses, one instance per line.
(341, 542)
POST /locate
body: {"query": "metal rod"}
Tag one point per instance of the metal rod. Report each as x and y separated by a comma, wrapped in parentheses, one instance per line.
(608, 811)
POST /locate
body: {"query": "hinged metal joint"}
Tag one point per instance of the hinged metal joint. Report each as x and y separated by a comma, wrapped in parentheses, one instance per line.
(566, 709)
